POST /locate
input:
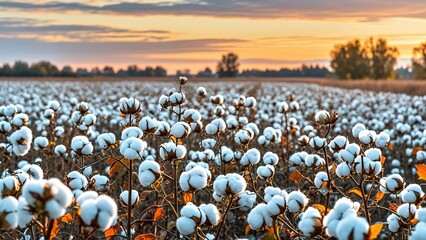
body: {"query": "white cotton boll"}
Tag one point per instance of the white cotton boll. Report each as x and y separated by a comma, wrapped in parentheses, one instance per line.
(9, 210)
(81, 145)
(294, 106)
(310, 222)
(314, 160)
(59, 131)
(101, 183)
(251, 157)
(270, 158)
(276, 205)
(163, 128)
(148, 125)
(282, 107)
(5, 127)
(20, 119)
(54, 105)
(296, 201)
(177, 98)
(298, 158)
(343, 170)
(22, 163)
(320, 179)
(24, 214)
(374, 154)
(132, 148)
(40, 143)
(361, 164)
(87, 171)
(253, 127)
(169, 151)
(406, 210)
(34, 171)
(412, 193)
(105, 140)
(270, 134)
(421, 215)
(419, 232)
(243, 137)
(392, 184)
(185, 225)
(421, 155)
(367, 136)
(258, 217)
(265, 172)
(9, 184)
(89, 119)
(53, 209)
(227, 154)
(347, 156)
(270, 192)
(317, 143)
(124, 197)
(149, 172)
(129, 105)
(393, 223)
(250, 102)
(357, 129)
(262, 141)
(195, 178)
(353, 228)
(180, 130)
(10, 110)
(212, 213)
(77, 180)
(208, 143)
(246, 200)
(88, 211)
(232, 183)
(382, 139)
(322, 117)
(231, 122)
(338, 143)
(217, 197)
(131, 132)
(21, 141)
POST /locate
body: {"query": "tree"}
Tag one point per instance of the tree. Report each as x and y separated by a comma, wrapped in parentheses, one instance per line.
(350, 60)
(229, 65)
(6, 70)
(383, 59)
(21, 69)
(419, 61)
(43, 69)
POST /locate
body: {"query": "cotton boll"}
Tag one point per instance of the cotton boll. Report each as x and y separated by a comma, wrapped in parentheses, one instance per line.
(382, 139)
(314, 160)
(180, 130)
(353, 228)
(9, 211)
(124, 197)
(243, 136)
(270, 192)
(196, 178)
(374, 154)
(106, 140)
(169, 151)
(40, 143)
(251, 157)
(259, 217)
(132, 148)
(310, 223)
(421, 215)
(419, 232)
(322, 117)
(406, 210)
(298, 158)
(343, 170)
(21, 141)
(101, 183)
(212, 214)
(86, 196)
(129, 105)
(20, 119)
(392, 184)
(265, 172)
(227, 154)
(320, 179)
(232, 183)
(393, 223)
(24, 214)
(357, 129)
(412, 193)
(149, 173)
(276, 205)
(35, 172)
(317, 143)
(338, 143)
(185, 225)
(421, 155)
(163, 128)
(80, 145)
(296, 201)
(270, 158)
(367, 136)
(131, 132)
(246, 200)
(77, 180)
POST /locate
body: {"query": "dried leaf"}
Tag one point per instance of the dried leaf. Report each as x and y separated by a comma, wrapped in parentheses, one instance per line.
(67, 218)
(421, 171)
(379, 195)
(393, 207)
(187, 197)
(247, 230)
(270, 235)
(296, 176)
(117, 166)
(111, 160)
(375, 230)
(159, 214)
(383, 160)
(319, 207)
(390, 146)
(125, 186)
(55, 229)
(146, 236)
(415, 150)
(356, 191)
(111, 231)
(414, 221)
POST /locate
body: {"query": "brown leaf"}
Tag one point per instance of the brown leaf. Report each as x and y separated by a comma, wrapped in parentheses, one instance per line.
(159, 214)
(421, 171)
(296, 176)
(55, 229)
(111, 160)
(187, 197)
(111, 231)
(393, 206)
(270, 235)
(125, 186)
(379, 195)
(117, 166)
(414, 221)
(383, 160)
(67, 218)
(146, 236)
(375, 230)
(390, 146)
(247, 230)
(356, 191)
(415, 150)
(319, 207)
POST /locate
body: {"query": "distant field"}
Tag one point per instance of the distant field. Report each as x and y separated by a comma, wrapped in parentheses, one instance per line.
(410, 87)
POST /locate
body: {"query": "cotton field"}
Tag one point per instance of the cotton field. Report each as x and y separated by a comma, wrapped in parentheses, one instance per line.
(190, 160)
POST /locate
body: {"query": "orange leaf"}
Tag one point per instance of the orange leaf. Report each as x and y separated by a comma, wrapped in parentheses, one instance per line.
(375, 230)
(270, 235)
(159, 214)
(55, 229)
(67, 218)
(319, 207)
(414, 221)
(356, 191)
(393, 207)
(247, 230)
(390, 146)
(383, 159)
(187, 197)
(415, 150)
(379, 195)
(146, 236)
(421, 171)
(117, 166)
(111, 231)
(111, 160)
(296, 176)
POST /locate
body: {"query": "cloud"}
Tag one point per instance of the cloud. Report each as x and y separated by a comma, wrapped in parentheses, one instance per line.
(364, 10)
(33, 28)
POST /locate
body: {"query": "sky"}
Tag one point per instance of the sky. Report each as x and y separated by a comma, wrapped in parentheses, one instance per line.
(194, 34)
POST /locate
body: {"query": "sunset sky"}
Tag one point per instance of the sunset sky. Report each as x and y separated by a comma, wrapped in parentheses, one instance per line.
(194, 34)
